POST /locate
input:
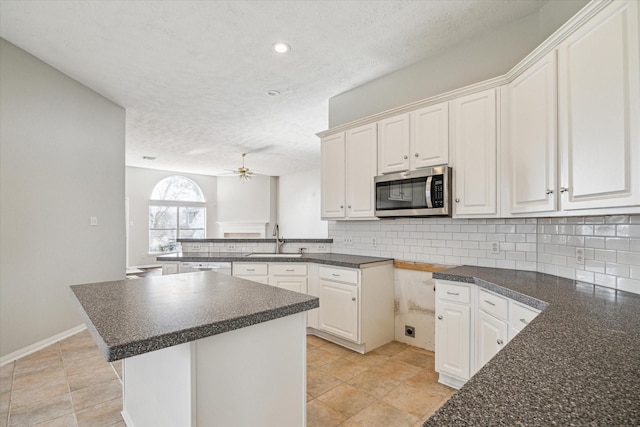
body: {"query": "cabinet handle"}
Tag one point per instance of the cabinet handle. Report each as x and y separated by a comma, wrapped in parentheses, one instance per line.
(406, 157)
(290, 269)
(524, 321)
(457, 200)
(353, 298)
(251, 269)
(440, 317)
(452, 293)
(549, 192)
(349, 206)
(417, 155)
(341, 206)
(489, 302)
(564, 189)
(335, 275)
(499, 342)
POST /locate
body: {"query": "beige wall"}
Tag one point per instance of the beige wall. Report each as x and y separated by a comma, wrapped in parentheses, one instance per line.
(482, 58)
(62, 161)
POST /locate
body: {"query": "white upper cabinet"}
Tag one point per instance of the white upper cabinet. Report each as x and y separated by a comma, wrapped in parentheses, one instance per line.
(362, 167)
(349, 164)
(393, 144)
(599, 111)
(430, 136)
(414, 140)
(529, 145)
(474, 139)
(333, 176)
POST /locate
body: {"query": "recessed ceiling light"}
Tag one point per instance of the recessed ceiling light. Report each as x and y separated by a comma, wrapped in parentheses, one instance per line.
(272, 92)
(148, 157)
(281, 47)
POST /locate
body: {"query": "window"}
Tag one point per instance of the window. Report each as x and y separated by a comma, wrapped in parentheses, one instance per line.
(177, 210)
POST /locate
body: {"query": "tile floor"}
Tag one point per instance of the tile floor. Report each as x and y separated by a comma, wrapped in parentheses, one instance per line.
(70, 384)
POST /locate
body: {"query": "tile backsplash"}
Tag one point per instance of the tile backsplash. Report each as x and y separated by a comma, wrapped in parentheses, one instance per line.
(610, 244)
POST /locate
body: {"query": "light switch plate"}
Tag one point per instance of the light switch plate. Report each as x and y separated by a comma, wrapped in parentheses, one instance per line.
(93, 221)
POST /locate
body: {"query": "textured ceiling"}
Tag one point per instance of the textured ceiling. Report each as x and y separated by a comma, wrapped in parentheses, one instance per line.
(192, 75)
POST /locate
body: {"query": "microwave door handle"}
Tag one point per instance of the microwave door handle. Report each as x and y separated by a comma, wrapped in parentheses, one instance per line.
(427, 192)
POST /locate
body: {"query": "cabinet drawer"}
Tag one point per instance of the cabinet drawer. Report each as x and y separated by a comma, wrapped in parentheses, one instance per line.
(454, 292)
(258, 279)
(289, 269)
(520, 316)
(493, 304)
(247, 269)
(339, 275)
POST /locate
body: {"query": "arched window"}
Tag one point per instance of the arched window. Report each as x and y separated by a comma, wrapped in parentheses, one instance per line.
(177, 210)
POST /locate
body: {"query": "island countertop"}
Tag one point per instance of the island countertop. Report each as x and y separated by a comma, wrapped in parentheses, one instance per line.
(576, 363)
(132, 317)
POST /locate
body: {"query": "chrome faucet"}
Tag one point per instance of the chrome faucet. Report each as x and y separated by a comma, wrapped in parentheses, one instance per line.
(279, 241)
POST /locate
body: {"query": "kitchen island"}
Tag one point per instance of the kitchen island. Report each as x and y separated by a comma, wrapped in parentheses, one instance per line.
(202, 348)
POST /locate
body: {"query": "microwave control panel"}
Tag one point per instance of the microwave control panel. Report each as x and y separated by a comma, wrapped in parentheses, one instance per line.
(437, 191)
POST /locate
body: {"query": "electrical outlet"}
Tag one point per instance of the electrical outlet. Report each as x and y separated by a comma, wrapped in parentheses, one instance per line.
(348, 240)
(410, 331)
(495, 247)
(321, 247)
(579, 255)
(231, 247)
(373, 241)
(93, 221)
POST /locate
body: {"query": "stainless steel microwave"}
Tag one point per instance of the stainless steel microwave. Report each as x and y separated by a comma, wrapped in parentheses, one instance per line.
(424, 192)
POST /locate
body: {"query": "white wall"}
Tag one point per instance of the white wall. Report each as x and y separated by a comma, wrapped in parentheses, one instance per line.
(481, 58)
(139, 185)
(299, 206)
(253, 201)
(62, 152)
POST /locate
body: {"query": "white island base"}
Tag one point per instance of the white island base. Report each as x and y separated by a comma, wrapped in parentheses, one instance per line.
(250, 376)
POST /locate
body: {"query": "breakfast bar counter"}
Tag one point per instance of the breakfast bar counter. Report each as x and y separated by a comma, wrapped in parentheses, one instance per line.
(199, 348)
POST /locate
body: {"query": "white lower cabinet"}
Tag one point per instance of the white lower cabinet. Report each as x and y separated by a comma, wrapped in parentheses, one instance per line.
(472, 326)
(170, 268)
(453, 339)
(339, 309)
(292, 277)
(256, 272)
(356, 306)
(491, 337)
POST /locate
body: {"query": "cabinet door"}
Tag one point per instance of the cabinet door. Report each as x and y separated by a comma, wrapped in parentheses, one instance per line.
(339, 309)
(530, 145)
(492, 337)
(296, 284)
(169, 268)
(332, 169)
(599, 101)
(474, 160)
(453, 339)
(362, 167)
(430, 136)
(393, 144)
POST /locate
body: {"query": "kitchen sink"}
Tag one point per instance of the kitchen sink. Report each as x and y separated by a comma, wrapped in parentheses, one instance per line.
(273, 256)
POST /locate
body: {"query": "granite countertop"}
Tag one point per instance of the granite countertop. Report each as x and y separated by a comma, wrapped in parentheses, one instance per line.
(131, 317)
(340, 260)
(577, 363)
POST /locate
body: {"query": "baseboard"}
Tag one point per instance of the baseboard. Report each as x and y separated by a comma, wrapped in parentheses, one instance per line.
(40, 345)
(359, 348)
(126, 419)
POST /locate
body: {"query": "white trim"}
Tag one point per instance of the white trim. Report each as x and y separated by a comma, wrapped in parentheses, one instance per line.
(40, 345)
(545, 47)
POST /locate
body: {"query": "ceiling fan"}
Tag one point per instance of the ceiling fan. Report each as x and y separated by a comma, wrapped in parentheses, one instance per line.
(243, 172)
